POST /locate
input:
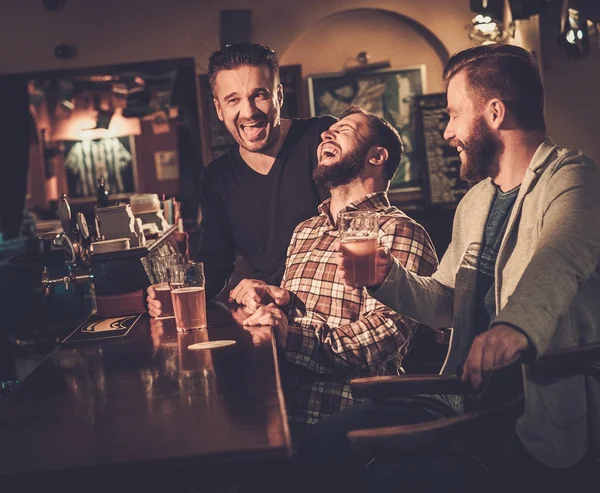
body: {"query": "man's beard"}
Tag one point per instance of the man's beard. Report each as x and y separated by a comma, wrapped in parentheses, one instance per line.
(347, 169)
(481, 153)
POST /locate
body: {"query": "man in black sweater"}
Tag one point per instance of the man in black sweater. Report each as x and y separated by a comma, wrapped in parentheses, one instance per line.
(253, 196)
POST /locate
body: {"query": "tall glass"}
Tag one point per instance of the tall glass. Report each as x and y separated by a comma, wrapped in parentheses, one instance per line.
(188, 297)
(162, 289)
(358, 237)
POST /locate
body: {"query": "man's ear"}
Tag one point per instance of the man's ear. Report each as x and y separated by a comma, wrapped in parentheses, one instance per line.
(495, 113)
(218, 108)
(280, 95)
(377, 155)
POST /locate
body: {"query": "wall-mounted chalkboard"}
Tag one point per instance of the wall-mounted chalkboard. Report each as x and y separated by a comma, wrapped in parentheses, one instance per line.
(441, 180)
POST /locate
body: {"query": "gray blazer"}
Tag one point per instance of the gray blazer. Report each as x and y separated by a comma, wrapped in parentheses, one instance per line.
(547, 284)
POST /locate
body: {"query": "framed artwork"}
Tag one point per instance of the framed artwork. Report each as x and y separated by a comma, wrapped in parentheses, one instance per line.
(88, 160)
(389, 94)
(214, 134)
(166, 165)
(294, 99)
(216, 137)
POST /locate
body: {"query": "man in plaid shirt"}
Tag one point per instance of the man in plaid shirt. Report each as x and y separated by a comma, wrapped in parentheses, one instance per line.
(329, 333)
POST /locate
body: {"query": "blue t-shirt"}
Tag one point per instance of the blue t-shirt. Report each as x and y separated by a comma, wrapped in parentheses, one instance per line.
(494, 232)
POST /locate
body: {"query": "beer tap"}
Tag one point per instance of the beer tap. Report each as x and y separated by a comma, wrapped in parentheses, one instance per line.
(73, 277)
(72, 245)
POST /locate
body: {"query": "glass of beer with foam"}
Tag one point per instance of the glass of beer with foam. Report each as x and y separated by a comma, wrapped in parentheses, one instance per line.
(187, 295)
(358, 236)
(162, 290)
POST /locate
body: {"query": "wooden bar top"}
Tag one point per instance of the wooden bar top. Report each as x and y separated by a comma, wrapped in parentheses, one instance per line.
(147, 402)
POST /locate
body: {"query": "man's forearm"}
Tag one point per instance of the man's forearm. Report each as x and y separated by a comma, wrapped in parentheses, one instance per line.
(423, 299)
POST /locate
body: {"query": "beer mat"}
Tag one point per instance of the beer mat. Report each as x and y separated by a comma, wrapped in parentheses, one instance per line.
(210, 345)
(101, 329)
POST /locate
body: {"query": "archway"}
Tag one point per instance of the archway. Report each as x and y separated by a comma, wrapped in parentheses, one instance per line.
(330, 44)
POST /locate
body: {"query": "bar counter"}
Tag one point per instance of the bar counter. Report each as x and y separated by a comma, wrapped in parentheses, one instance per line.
(148, 409)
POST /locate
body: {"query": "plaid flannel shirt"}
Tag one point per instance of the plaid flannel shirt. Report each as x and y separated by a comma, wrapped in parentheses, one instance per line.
(336, 334)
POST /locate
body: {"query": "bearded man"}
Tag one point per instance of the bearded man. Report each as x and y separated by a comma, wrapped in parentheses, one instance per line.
(329, 334)
(522, 275)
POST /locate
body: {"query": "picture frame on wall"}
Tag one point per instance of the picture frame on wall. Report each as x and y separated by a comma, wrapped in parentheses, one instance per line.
(111, 158)
(390, 94)
(217, 140)
(166, 165)
(294, 97)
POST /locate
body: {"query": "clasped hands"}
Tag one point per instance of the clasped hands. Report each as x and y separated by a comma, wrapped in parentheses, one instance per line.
(262, 302)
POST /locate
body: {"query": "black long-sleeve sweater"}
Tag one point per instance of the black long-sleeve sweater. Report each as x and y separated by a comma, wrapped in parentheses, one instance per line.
(256, 214)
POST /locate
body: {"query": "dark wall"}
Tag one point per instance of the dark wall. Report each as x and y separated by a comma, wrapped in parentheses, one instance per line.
(15, 125)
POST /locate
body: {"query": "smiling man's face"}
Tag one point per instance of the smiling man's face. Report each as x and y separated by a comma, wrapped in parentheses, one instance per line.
(342, 152)
(468, 131)
(248, 101)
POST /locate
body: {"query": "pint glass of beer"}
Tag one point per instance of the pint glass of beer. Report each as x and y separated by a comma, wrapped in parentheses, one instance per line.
(358, 237)
(162, 289)
(187, 295)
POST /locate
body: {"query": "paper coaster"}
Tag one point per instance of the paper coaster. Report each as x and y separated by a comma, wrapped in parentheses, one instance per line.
(210, 345)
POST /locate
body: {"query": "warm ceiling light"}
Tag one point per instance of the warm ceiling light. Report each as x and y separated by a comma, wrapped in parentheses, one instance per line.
(486, 29)
(84, 124)
(574, 37)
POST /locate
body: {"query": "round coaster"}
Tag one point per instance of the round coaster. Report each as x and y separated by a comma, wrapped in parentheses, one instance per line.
(210, 345)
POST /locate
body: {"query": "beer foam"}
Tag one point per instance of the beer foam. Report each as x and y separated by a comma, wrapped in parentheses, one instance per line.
(192, 289)
(360, 245)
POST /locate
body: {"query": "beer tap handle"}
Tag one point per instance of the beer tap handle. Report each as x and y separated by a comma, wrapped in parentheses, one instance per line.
(64, 212)
(82, 226)
(46, 280)
(66, 280)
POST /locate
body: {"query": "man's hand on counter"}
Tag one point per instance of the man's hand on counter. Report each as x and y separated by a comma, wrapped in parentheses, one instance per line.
(273, 316)
(252, 293)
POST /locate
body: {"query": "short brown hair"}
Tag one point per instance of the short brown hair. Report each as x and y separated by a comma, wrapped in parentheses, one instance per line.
(383, 134)
(505, 72)
(242, 54)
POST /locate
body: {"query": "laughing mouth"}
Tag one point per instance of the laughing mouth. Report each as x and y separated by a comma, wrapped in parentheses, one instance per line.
(329, 150)
(252, 127)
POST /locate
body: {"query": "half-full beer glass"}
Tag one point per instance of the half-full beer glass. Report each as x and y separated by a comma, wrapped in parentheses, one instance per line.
(187, 295)
(162, 289)
(358, 237)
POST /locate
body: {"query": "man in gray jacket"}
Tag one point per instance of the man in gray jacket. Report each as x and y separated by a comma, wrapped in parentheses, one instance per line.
(521, 274)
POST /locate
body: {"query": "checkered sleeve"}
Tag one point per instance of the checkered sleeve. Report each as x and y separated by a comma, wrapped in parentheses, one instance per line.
(380, 334)
(290, 250)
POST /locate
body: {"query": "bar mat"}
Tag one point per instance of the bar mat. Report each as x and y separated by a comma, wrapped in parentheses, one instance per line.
(101, 329)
